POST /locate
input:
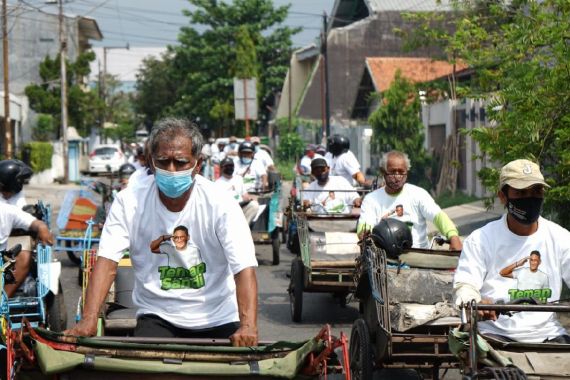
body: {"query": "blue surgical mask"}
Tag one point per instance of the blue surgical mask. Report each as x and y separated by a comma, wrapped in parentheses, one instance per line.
(233, 145)
(173, 184)
(256, 148)
(245, 160)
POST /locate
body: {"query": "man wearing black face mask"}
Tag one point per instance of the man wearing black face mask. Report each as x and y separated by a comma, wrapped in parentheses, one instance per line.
(332, 194)
(234, 184)
(496, 256)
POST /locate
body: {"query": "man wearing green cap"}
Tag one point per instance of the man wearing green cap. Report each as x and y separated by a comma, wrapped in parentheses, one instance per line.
(497, 257)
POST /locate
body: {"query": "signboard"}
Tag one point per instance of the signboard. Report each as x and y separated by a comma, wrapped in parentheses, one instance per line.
(245, 98)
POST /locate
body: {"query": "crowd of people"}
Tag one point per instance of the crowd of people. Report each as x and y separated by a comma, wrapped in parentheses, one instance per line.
(195, 262)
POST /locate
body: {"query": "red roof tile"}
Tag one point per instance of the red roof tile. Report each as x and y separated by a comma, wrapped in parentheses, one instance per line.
(383, 70)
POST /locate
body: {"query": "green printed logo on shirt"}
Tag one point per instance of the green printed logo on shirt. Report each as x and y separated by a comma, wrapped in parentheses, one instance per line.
(182, 278)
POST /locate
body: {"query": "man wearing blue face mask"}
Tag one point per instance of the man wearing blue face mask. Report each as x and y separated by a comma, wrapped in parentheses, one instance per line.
(250, 169)
(215, 299)
(497, 257)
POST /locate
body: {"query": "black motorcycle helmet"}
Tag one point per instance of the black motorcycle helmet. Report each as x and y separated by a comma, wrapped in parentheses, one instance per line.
(246, 146)
(13, 174)
(226, 164)
(126, 170)
(338, 145)
(393, 236)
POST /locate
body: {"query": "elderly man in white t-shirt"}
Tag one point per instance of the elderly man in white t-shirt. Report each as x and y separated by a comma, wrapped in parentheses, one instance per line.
(494, 257)
(330, 194)
(172, 300)
(416, 206)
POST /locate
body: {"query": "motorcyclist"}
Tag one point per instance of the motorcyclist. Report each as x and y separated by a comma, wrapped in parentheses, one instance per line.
(343, 162)
(125, 172)
(13, 174)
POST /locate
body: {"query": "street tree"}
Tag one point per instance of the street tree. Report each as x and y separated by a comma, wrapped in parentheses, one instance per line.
(520, 53)
(397, 125)
(211, 51)
(84, 105)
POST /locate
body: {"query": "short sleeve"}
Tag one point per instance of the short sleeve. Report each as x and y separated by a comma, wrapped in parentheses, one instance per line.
(115, 236)
(471, 268)
(351, 164)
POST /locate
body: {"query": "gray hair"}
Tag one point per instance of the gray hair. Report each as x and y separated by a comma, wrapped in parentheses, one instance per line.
(394, 153)
(171, 128)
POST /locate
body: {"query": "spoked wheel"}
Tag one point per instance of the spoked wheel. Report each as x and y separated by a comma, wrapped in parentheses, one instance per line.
(361, 366)
(296, 289)
(275, 245)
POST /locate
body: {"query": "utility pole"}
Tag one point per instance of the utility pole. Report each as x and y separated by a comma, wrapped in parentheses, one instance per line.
(63, 73)
(5, 57)
(326, 67)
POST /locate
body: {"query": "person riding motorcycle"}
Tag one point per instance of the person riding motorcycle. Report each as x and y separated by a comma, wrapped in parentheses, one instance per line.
(251, 170)
(13, 174)
(343, 162)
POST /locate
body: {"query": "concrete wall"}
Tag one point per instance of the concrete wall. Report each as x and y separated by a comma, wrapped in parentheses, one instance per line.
(347, 49)
(468, 116)
(34, 35)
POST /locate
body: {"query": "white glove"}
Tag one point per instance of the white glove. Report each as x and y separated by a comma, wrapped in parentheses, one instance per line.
(465, 293)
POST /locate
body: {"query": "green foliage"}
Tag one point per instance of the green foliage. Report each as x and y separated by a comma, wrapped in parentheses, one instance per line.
(297, 124)
(44, 129)
(84, 106)
(285, 168)
(40, 155)
(448, 200)
(521, 56)
(123, 132)
(397, 126)
(222, 40)
(291, 147)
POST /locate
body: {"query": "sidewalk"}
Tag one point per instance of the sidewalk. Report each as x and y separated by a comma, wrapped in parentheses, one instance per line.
(470, 216)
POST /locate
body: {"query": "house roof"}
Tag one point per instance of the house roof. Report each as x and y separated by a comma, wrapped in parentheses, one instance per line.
(348, 11)
(383, 70)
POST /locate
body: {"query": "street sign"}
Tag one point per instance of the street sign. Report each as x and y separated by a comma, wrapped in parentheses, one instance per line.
(245, 98)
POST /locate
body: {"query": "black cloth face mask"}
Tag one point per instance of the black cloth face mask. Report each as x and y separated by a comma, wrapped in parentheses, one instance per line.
(525, 210)
(322, 178)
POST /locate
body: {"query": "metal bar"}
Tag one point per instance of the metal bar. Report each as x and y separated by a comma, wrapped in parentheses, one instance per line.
(192, 341)
(554, 308)
(333, 283)
(419, 339)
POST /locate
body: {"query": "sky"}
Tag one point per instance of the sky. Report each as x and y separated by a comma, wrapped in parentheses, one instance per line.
(147, 26)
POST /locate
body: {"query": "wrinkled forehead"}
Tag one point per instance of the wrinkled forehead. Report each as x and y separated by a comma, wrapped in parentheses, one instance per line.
(179, 146)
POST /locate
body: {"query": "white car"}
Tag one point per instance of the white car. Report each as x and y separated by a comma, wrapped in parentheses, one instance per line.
(106, 158)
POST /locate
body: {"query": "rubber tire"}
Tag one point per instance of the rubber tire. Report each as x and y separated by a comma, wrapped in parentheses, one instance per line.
(275, 245)
(360, 352)
(296, 287)
(56, 314)
(72, 255)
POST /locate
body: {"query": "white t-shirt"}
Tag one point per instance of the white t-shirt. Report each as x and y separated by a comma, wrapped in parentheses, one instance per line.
(530, 280)
(234, 185)
(264, 158)
(200, 298)
(345, 165)
(305, 163)
(188, 258)
(418, 208)
(138, 176)
(251, 174)
(12, 217)
(493, 247)
(18, 200)
(328, 198)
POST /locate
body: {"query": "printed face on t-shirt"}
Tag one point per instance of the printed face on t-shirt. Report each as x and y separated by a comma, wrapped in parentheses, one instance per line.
(180, 239)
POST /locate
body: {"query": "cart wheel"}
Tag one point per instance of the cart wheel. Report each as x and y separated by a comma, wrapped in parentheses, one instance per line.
(296, 289)
(73, 256)
(56, 312)
(360, 351)
(275, 245)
